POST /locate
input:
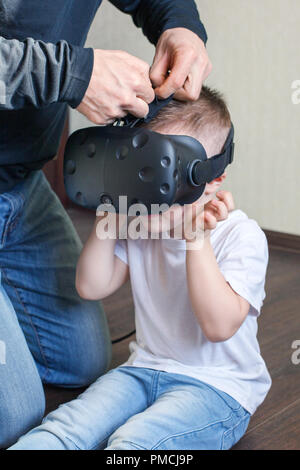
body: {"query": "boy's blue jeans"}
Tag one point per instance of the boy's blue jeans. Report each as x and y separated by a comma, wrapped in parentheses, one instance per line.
(47, 333)
(133, 408)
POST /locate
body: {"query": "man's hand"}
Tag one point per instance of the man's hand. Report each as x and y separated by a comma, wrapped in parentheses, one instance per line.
(119, 85)
(180, 65)
(201, 220)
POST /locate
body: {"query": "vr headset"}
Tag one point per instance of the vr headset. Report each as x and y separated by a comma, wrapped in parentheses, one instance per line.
(103, 163)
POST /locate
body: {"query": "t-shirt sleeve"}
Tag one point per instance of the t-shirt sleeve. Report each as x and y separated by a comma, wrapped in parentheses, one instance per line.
(243, 262)
(121, 250)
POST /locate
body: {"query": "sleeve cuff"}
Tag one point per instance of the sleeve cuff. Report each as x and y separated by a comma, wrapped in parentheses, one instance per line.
(196, 28)
(80, 75)
(120, 252)
(244, 292)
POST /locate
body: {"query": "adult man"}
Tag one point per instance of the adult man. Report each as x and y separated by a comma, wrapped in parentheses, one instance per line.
(50, 334)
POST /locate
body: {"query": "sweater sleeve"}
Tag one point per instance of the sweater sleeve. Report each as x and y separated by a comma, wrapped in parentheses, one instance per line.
(36, 74)
(156, 16)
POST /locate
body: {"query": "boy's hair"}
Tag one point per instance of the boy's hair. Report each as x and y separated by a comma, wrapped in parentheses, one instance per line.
(206, 119)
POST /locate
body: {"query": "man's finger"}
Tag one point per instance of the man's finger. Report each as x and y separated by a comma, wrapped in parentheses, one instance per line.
(145, 91)
(148, 95)
(159, 71)
(139, 108)
(189, 92)
(177, 77)
(192, 87)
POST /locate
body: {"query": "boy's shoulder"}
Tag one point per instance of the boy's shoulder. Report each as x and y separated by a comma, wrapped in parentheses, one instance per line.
(241, 250)
(238, 227)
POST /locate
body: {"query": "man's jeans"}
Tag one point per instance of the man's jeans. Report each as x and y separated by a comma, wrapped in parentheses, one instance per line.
(135, 408)
(47, 333)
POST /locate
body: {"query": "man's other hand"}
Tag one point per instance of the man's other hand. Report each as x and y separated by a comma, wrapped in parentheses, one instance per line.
(180, 65)
(119, 85)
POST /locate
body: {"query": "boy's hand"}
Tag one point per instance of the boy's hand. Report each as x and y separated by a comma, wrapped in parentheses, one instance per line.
(218, 209)
(200, 220)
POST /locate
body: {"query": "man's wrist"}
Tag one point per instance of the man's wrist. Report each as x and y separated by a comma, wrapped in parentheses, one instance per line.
(199, 31)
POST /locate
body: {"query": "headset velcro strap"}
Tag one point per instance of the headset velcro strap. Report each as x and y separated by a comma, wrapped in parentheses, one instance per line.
(206, 171)
(154, 108)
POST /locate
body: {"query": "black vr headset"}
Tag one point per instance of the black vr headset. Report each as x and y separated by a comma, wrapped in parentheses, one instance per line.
(103, 163)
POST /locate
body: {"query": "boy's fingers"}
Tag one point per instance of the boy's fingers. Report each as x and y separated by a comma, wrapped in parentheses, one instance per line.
(214, 207)
(227, 198)
(210, 221)
(193, 211)
(220, 209)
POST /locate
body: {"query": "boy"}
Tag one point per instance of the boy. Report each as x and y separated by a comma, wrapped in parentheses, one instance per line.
(195, 374)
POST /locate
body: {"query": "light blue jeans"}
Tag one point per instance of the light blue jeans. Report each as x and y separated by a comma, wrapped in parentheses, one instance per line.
(141, 409)
(47, 333)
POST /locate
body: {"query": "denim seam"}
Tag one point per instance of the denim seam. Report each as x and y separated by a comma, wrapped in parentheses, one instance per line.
(30, 319)
(226, 433)
(191, 431)
(9, 220)
(93, 447)
(133, 444)
(219, 393)
(153, 389)
(70, 440)
(15, 206)
(13, 215)
(96, 446)
(5, 231)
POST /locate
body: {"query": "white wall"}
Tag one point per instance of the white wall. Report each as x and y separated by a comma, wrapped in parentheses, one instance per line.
(254, 47)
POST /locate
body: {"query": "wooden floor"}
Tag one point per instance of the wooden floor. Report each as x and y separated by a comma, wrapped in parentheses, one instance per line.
(276, 424)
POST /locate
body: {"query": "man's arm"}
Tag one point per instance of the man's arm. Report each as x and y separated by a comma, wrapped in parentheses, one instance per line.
(156, 16)
(181, 63)
(122, 84)
(35, 73)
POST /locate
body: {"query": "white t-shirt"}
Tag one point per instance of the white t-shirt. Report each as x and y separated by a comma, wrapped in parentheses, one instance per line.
(169, 338)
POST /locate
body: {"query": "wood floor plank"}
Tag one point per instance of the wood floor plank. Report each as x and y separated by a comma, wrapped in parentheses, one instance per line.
(280, 432)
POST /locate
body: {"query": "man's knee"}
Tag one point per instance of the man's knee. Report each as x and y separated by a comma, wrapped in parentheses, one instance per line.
(85, 353)
(82, 369)
(89, 369)
(95, 343)
(18, 416)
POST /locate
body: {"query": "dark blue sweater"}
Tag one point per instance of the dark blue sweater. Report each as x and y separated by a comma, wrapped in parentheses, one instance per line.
(44, 67)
